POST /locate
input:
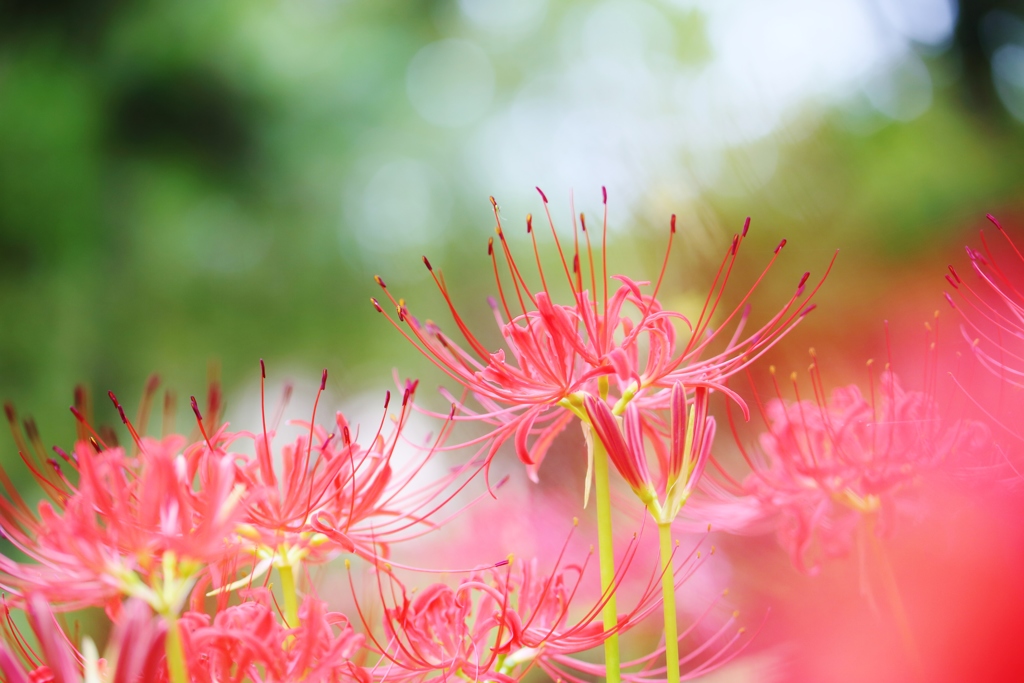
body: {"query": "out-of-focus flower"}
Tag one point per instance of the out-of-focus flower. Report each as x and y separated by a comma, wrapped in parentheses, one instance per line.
(559, 353)
(994, 315)
(135, 651)
(249, 642)
(500, 623)
(325, 493)
(143, 524)
(826, 467)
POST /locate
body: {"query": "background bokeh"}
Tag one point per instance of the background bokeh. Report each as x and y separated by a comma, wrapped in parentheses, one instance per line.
(191, 182)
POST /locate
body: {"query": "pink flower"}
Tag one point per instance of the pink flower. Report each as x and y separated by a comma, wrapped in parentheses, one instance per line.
(324, 493)
(143, 524)
(248, 642)
(500, 623)
(993, 315)
(620, 344)
(135, 651)
(826, 464)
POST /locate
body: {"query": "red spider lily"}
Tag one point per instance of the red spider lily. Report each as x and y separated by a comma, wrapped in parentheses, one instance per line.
(135, 651)
(683, 447)
(248, 642)
(994, 315)
(827, 465)
(557, 353)
(142, 524)
(500, 623)
(327, 494)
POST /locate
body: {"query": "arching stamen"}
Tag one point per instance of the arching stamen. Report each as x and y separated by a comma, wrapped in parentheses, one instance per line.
(199, 421)
(124, 419)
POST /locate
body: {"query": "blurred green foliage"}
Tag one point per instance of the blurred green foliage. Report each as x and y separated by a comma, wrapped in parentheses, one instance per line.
(176, 181)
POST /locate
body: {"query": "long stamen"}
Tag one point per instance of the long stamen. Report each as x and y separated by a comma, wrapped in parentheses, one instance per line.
(125, 420)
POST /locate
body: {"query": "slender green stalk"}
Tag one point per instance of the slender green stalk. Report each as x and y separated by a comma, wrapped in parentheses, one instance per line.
(175, 652)
(668, 596)
(606, 552)
(893, 594)
(291, 598)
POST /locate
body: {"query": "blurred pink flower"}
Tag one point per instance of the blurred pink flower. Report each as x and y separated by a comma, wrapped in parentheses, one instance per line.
(325, 493)
(994, 315)
(825, 465)
(500, 623)
(249, 642)
(134, 653)
(143, 524)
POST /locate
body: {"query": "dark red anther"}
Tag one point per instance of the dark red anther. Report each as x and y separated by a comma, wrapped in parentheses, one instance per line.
(672, 224)
(803, 280)
(60, 451)
(490, 246)
(604, 194)
(576, 263)
(951, 282)
(195, 409)
(529, 224)
(781, 245)
(346, 436)
(583, 222)
(120, 410)
(808, 310)
(426, 262)
(387, 399)
(78, 414)
(323, 380)
(501, 563)
(9, 410)
(380, 281)
(263, 369)
(992, 219)
(952, 272)
(376, 304)
(735, 244)
(54, 465)
(746, 226)
(543, 196)
(493, 203)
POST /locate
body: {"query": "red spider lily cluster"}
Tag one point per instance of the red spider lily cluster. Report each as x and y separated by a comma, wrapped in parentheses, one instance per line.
(200, 549)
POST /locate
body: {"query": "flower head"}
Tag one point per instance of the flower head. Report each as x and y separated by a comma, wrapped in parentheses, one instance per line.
(249, 642)
(620, 344)
(326, 493)
(142, 523)
(825, 465)
(500, 623)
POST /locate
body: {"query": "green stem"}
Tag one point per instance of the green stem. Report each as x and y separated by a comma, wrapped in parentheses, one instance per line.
(606, 552)
(291, 598)
(893, 594)
(175, 652)
(668, 594)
